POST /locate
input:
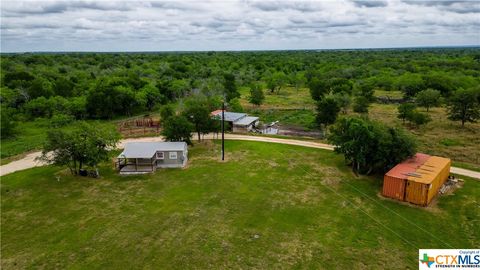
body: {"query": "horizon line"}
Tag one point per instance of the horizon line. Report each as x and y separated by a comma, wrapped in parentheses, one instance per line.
(250, 50)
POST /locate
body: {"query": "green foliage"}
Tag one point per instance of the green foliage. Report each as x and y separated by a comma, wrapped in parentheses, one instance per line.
(405, 110)
(298, 80)
(198, 113)
(327, 111)
(343, 100)
(440, 81)
(7, 127)
(16, 79)
(40, 88)
(428, 98)
(361, 104)
(276, 81)
(410, 84)
(365, 88)
(235, 106)
(369, 146)
(318, 88)
(464, 105)
(63, 87)
(110, 97)
(230, 87)
(417, 118)
(150, 95)
(166, 111)
(84, 145)
(61, 120)
(177, 129)
(256, 95)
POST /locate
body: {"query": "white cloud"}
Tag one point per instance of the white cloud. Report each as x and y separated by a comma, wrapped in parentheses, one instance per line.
(242, 24)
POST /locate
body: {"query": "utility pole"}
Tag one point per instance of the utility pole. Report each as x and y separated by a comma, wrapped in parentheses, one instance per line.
(223, 130)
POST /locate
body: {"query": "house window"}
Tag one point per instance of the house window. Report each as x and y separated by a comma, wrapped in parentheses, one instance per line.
(172, 155)
(160, 155)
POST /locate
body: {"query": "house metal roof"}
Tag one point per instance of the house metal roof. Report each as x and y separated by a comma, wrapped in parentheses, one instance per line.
(245, 121)
(148, 149)
(230, 116)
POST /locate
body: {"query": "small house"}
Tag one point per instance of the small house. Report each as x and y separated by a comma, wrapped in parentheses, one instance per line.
(146, 157)
(237, 122)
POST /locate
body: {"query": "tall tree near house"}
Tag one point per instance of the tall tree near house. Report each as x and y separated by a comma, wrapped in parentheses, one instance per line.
(84, 145)
(198, 114)
(464, 105)
(428, 98)
(177, 129)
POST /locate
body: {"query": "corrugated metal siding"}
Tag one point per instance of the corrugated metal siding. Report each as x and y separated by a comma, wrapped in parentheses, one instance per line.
(394, 187)
(417, 180)
(416, 193)
(443, 166)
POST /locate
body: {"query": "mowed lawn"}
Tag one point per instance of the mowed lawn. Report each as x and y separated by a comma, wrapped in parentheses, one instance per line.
(267, 206)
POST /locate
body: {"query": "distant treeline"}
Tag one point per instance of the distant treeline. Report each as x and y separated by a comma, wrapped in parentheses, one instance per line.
(106, 85)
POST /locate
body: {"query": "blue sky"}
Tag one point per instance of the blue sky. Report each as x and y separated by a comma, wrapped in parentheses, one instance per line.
(235, 25)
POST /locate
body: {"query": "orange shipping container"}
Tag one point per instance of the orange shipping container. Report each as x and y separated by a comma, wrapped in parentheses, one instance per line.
(424, 183)
(394, 181)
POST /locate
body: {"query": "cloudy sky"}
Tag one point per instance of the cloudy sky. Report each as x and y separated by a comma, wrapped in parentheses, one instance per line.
(235, 25)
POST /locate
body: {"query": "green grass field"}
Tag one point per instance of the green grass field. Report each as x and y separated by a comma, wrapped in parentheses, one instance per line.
(268, 206)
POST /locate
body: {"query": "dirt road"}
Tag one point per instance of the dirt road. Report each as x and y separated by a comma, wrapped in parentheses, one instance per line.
(29, 160)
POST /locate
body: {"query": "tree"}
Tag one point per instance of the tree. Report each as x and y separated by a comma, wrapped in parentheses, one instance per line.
(410, 84)
(256, 95)
(327, 111)
(405, 110)
(365, 88)
(298, 80)
(428, 98)
(166, 112)
(276, 81)
(230, 87)
(84, 145)
(177, 129)
(234, 105)
(361, 104)
(151, 96)
(418, 118)
(198, 114)
(7, 124)
(370, 146)
(464, 105)
(343, 100)
(63, 87)
(40, 88)
(318, 89)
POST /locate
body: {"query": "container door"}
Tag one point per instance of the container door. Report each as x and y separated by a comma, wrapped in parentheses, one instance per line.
(416, 193)
(394, 188)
